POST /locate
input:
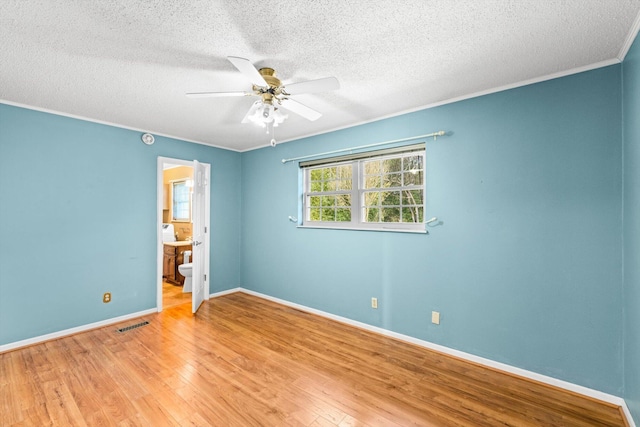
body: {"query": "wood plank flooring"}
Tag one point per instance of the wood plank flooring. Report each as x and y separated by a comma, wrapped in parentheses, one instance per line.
(172, 295)
(244, 361)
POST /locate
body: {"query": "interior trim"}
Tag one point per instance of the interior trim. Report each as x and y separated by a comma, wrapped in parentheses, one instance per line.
(633, 33)
(585, 391)
(55, 335)
(111, 124)
(559, 74)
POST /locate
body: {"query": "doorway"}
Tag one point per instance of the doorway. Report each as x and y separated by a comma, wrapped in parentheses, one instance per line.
(176, 208)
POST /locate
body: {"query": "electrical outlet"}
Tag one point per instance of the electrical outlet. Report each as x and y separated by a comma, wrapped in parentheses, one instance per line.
(374, 302)
(435, 317)
(106, 297)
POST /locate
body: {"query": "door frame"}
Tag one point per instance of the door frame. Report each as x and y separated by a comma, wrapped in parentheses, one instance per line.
(207, 216)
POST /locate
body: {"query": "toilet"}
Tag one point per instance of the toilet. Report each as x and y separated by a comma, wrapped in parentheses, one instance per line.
(186, 270)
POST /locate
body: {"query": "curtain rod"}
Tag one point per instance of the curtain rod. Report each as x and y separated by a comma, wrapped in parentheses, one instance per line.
(434, 135)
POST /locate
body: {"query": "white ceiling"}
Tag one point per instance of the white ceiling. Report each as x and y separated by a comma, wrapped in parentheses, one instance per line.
(130, 62)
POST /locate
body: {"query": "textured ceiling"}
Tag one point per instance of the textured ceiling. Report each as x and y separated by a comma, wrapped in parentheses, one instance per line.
(130, 62)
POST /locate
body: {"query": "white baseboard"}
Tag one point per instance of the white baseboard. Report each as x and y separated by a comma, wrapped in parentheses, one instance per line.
(585, 391)
(71, 331)
(227, 292)
(627, 414)
(54, 335)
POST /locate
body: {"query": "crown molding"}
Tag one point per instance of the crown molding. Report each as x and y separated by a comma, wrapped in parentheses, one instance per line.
(633, 33)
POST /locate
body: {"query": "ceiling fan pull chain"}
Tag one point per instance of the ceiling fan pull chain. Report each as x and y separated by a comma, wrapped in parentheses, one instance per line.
(271, 130)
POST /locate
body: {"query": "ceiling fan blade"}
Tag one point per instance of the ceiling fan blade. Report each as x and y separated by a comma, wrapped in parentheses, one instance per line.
(313, 86)
(300, 109)
(217, 94)
(246, 67)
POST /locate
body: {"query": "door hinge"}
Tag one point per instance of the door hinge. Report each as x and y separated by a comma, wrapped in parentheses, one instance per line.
(205, 229)
(205, 277)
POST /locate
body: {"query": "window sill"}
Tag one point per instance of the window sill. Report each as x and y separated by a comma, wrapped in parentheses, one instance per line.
(384, 230)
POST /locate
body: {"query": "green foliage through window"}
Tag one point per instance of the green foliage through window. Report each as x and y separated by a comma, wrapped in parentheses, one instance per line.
(378, 190)
(395, 191)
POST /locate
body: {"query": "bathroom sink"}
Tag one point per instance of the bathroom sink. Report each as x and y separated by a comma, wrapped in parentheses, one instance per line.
(179, 243)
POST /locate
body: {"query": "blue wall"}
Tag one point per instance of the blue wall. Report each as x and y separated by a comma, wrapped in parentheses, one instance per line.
(527, 266)
(631, 108)
(526, 269)
(78, 218)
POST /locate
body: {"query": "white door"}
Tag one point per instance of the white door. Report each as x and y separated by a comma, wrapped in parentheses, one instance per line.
(199, 234)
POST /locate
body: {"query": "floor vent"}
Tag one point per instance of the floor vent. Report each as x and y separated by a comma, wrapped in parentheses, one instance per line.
(137, 325)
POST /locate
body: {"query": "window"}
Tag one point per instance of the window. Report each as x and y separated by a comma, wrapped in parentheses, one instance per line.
(381, 190)
(181, 205)
(330, 193)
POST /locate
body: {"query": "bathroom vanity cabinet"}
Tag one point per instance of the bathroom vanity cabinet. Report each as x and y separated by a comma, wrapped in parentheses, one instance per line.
(173, 257)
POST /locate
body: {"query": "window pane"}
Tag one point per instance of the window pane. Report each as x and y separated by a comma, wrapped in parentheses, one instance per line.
(316, 186)
(412, 163)
(181, 201)
(372, 182)
(328, 173)
(392, 165)
(314, 201)
(372, 167)
(390, 198)
(344, 184)
(344, 200)
(371, 198)
(344, 172)
(412, 214)
(328, 214)
(343, 214)
(412, 197)
(314, 214)
(392, 180)
(316, 174)
(328, 201)
(372, 215)
(329, 186)
(390, 214)
(413, 178)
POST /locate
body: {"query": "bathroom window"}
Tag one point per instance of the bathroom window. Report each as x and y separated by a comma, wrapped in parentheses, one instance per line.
(380, 190)
(181, 206)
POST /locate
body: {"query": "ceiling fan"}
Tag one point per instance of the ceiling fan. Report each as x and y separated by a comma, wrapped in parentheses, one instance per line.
(273, 95)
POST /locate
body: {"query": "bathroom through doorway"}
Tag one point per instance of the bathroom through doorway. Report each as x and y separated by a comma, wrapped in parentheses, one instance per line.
(183, 245)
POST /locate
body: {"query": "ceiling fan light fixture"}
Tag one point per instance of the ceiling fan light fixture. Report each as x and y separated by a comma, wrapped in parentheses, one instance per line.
(263, 113)
(278, 117)
(267, 113)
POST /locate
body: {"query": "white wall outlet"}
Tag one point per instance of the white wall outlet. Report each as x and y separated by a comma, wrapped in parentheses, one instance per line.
(435, 317)
(374, 302)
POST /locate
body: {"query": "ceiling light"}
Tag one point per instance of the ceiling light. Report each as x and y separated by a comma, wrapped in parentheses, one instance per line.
(264, 113)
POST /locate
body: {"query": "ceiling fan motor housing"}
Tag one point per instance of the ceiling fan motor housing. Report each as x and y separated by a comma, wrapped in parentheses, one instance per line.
(274, 89)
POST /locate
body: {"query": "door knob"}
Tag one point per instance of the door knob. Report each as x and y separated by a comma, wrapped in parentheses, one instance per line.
(197, 243)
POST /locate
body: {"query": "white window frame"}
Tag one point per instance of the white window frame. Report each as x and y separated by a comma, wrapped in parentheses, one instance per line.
(357, 190)
(188, 184)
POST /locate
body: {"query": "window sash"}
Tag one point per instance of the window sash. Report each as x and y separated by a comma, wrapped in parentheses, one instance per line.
(181, 208)
(406, 209)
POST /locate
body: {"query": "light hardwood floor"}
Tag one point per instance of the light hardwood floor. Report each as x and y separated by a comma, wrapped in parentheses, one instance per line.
(244, 361)
(172, 295)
